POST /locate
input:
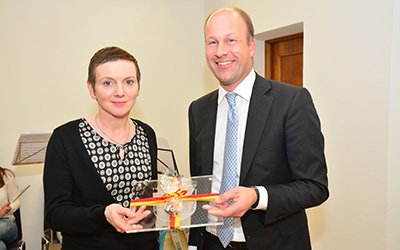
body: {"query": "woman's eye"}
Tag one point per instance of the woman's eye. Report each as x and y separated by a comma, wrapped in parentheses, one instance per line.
(130, 82)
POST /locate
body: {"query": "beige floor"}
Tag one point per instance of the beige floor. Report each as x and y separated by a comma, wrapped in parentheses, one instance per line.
(179, 236)
(51, 239)
(55, 246)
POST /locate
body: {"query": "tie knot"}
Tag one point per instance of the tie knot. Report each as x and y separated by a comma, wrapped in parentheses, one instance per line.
(231, 98)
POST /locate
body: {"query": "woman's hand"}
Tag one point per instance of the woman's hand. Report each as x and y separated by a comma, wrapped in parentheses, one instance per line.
(125, 219)
(5, 209)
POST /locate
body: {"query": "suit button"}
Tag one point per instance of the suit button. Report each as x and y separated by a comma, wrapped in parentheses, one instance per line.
(280, 217)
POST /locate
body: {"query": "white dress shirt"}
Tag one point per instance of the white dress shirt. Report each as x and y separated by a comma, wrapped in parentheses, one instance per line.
(243, 91)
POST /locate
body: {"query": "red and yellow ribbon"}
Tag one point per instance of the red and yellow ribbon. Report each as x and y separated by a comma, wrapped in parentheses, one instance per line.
(181, 195)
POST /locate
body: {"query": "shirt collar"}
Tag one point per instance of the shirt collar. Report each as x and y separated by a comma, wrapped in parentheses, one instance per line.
(244, 88)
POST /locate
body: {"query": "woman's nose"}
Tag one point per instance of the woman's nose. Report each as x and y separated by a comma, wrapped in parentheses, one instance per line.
(120, 90)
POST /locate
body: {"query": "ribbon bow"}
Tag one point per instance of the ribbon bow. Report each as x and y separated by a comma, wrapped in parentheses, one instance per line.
(172, 198)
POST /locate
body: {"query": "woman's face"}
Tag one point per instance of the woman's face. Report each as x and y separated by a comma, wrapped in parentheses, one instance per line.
(116, 88)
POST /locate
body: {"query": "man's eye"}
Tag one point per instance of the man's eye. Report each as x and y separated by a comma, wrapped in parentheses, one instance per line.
(231, 40)
(107, 83)
(212, 42)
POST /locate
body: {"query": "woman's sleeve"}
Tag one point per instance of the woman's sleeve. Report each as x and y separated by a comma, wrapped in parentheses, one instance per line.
(62, 211)
(12, 192)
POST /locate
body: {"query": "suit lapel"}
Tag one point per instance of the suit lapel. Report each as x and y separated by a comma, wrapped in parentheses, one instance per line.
(260, 106)
(209, 116)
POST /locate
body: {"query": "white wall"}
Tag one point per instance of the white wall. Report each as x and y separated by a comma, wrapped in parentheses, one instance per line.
(393, 184)
(46, 47)
(45, 50)
(351, 67)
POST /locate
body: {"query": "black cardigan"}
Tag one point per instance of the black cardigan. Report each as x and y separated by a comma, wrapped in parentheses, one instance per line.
(75, 196)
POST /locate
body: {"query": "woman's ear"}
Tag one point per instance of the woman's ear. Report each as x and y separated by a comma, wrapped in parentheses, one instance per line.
(91, 89)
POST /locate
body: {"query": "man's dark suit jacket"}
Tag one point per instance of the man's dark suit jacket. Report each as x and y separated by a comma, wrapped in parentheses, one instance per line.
(283, 151)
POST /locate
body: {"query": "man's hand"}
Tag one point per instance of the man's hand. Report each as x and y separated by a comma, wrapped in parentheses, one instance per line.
(125, 219)
(242, 198)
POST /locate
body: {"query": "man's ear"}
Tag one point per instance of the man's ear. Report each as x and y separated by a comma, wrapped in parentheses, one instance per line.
(253, 47)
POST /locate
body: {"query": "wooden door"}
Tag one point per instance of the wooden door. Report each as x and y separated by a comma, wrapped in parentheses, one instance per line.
(284, 59)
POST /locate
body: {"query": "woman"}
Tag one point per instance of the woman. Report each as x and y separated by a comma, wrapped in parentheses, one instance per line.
(8, 190)
(92, 163)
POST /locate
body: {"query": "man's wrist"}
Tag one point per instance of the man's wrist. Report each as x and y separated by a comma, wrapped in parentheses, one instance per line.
(258, 197)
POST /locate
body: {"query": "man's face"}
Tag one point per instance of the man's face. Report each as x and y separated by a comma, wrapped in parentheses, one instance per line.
(229, 53)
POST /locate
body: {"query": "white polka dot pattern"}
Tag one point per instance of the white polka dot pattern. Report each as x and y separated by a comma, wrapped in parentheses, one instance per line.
(118, 175)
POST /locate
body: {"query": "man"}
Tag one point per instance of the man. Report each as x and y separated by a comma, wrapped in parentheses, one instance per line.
(278, 154)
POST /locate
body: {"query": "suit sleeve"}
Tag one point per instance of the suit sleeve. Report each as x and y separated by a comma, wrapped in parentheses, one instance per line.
(194, 170)
(304, 145)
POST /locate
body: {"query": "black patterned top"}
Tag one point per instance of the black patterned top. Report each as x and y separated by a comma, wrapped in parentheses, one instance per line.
(118, 175)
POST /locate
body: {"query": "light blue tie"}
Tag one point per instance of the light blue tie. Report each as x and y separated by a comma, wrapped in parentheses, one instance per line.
(229, 175)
